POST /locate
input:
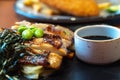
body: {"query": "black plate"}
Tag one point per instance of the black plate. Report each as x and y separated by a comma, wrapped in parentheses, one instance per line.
(30, 14)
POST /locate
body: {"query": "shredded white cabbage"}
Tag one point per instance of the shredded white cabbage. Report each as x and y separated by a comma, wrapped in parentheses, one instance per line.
(31, 71)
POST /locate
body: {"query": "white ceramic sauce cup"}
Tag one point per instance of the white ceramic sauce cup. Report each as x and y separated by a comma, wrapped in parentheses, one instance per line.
(97, 51)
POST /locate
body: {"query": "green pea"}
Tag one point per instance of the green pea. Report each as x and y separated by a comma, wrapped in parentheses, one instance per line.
(21, 28)
(38, 33)
(113, 8)
(33, 28)
(27, 34)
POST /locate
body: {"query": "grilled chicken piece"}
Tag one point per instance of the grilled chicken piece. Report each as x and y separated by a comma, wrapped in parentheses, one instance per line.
(54, 60)
(56, 39)
(51, 60)
(34, 65)
(47, 51)
(65, 33)
(58, 46)
(40, 59)
(37, 49)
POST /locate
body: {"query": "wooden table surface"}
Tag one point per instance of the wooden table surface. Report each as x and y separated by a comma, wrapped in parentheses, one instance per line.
(7, 13)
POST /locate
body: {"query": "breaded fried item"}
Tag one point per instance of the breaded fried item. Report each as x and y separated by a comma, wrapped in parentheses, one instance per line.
(75, 7)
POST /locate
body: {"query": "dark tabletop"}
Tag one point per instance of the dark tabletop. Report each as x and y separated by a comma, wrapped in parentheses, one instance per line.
(74, 69)
(78, 70)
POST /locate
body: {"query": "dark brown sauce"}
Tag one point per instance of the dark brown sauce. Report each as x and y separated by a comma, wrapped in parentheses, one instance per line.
(97, 37)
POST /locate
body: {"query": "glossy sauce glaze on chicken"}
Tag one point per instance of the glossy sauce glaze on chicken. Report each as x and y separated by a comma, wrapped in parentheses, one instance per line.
(46, 52)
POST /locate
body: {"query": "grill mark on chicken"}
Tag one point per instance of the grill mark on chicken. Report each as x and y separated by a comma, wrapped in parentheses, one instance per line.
(40, 59)
(50, 60)
(51, 28)
(54, 40)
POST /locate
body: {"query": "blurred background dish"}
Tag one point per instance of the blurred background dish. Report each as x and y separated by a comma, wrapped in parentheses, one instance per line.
(77, 8)
(40, 12)
(38, 6)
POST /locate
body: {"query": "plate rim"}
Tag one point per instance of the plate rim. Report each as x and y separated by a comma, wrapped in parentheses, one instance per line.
(61, 19)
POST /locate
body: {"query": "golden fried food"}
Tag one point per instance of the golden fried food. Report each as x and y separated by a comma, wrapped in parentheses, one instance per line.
(75, 7)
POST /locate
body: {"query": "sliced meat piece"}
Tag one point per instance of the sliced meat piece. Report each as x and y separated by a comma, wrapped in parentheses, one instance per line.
(54, 40)
(40, 59)
(65, 32)
(66, 43)
(54, 60)
(51, 60)
(47, 47)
